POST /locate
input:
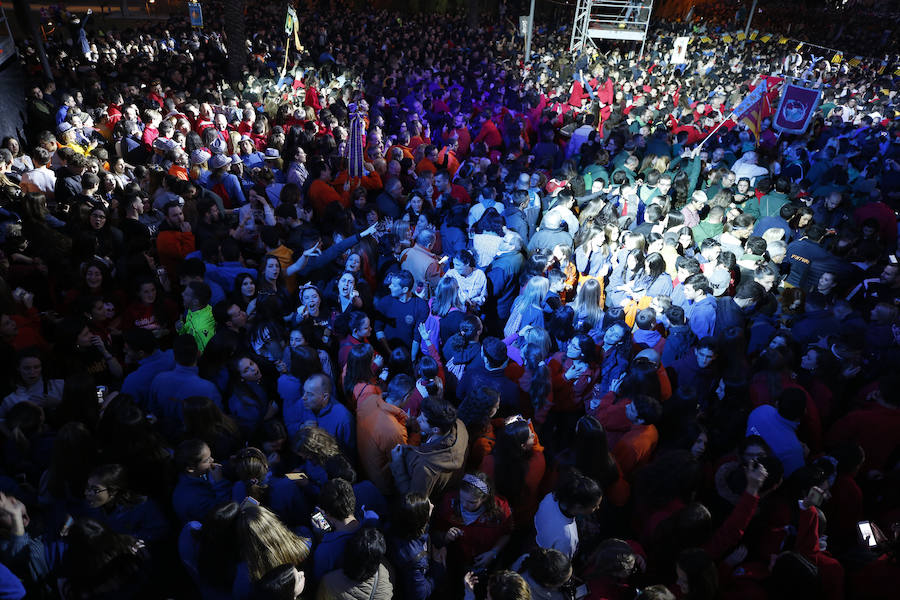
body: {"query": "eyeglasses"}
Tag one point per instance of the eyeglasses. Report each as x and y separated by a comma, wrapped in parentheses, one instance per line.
(93, 491)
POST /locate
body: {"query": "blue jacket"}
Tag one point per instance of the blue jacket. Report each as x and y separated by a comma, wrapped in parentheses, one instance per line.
(399, 319)
(284, 498)
(138, 382)
(11, 587)
(189, 551)
(368, 496)
(232, 187)
(704, 381)
(813, 324)
(477, 375)
(145, 521)
(329, 554)
(503, 281)
(780, 434)
(34, 559)
(334, 418)
(171, 387)
(766, 223)
(414, 568)
(225, 274)
(678, 298)
(248, 406)
(194, 497)
(701, 317)
(678, 343)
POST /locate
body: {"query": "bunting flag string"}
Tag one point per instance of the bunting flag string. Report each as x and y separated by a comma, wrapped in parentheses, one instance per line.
(837, 57)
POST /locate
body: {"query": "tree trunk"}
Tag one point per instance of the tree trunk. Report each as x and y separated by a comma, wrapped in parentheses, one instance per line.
(235, 38)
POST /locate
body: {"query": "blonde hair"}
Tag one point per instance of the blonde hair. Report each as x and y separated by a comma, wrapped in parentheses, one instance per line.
(661, 164)
(589, 302)
(533, 295)
(316, 443)
(265, 542)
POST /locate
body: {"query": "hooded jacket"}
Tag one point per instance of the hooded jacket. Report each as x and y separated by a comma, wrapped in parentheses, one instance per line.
(431, 467)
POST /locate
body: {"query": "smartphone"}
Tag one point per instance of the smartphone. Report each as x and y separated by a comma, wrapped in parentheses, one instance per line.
(64, 530)
(867, 534)
(581, 591)
(320, 522)
(295, 476)
(443, 260)
(101, 392)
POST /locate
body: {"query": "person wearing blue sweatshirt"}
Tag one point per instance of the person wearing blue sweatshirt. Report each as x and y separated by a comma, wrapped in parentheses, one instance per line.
(316, 405)
(249, 403)
(201, 482)
(107, 499)
(34, 559)
(225, 273)
(817, 321)
(281, 495)
(142, 349)
(779, 428)
(338, 504)
(701, 310)
(170, 388)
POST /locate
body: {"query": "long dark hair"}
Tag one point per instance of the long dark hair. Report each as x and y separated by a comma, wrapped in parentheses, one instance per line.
(411, 515)
(511, 458)
(592, 456)
(99, 561)
(535, 363)
(364, 555)
(218, 552)
(359, 368)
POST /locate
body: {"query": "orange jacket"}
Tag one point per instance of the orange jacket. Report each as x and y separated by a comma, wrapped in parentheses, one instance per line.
(636, 448)
(379, 427)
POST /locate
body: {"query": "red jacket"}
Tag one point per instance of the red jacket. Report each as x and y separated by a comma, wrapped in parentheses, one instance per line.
(490, 135)
(173, 246)
(874, 427)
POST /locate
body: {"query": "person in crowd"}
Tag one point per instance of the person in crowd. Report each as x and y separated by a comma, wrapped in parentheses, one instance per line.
(688, 307)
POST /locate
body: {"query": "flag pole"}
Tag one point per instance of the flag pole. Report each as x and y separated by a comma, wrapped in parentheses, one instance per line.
(715, 129)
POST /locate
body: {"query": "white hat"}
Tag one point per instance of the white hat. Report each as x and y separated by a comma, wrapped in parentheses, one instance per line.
(218, 161)
(199, 156)
(218, 146)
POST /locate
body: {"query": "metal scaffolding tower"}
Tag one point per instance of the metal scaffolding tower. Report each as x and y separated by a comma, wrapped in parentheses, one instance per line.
(610, 20)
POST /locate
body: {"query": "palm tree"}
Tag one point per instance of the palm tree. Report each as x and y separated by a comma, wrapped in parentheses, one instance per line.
(235, 38)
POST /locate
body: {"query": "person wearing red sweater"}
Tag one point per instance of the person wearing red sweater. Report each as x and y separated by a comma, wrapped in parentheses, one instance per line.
(321, 192)
(874, 425)
(489, 134)
(175, 239)
(636, 447)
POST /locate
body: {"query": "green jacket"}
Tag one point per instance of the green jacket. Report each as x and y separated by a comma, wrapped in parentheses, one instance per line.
(768, 206)
(201, 325)
(705, 229)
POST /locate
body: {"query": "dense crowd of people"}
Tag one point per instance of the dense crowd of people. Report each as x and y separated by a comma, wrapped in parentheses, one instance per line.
(558, 337)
